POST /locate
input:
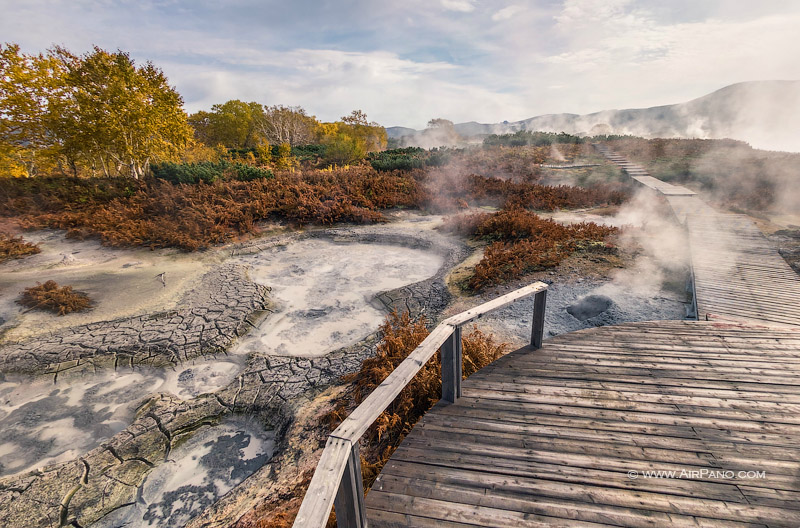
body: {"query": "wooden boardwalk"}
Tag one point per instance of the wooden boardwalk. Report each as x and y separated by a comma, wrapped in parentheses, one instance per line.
(566, 435)
(548, 437)
(738, 274)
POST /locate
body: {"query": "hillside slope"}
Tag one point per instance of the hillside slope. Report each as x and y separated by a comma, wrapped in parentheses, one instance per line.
(763, 113)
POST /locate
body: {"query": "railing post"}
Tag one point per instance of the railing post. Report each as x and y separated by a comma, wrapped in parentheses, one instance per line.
(349, 501)
(537, 328)
(451, 367)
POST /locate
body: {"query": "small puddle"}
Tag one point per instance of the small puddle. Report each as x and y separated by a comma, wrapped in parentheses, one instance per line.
(197, 474)
(43, 423)
(325, 291)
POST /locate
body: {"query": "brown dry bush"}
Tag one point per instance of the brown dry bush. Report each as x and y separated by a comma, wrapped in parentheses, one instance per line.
(523, 242)
(54, 298)
(12, 247)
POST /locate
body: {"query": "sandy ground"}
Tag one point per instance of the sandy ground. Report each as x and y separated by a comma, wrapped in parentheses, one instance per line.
(121, 282)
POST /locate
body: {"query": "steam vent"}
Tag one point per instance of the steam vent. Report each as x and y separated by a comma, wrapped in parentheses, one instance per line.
(666, 423)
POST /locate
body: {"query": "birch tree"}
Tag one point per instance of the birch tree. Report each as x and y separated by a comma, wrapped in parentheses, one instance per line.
(120, 117)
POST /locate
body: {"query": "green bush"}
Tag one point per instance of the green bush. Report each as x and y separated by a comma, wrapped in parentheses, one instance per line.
(536, 139)
(408, 158)
(207, 172)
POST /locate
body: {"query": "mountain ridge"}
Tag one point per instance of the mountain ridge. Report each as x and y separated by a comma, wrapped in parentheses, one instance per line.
(762, 113)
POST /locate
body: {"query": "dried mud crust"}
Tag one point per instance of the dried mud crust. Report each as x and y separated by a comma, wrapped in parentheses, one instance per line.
(79, 492)
(82, 491)
(223, 306)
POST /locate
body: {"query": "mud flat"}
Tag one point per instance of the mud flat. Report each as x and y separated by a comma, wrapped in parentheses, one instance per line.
(324, 292)
(118, 413)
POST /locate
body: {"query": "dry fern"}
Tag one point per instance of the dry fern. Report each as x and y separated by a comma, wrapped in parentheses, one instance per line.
(54, 298)
(12, 247)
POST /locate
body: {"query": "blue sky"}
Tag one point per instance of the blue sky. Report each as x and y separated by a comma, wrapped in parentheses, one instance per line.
(404, 63)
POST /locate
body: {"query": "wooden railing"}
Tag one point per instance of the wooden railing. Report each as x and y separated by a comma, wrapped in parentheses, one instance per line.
(337, 480)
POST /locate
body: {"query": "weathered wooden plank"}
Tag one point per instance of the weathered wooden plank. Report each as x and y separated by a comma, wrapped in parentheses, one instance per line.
(548, 385)
(558, 472)
(653, 427)
(545, 498)
(477, 515)
(318, 500)
(517, 432)
(452, 357)
(755, 424)
(349, 501)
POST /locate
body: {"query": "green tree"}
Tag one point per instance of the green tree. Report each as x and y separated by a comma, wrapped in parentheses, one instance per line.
(234, 124)
(29, 86)
(344, 148)
(119, 117)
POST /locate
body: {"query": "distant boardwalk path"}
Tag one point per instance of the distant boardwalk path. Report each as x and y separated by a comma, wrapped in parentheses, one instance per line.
(738, 274)
(662, 423)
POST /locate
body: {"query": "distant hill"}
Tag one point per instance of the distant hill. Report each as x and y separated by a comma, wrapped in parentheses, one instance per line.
(765, 114)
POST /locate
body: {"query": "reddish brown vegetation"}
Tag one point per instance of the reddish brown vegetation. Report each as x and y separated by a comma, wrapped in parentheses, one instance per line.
(452, 191)
(12, 247)
(155, 213)
(192, 216)
(54, 298)
(401, 335)
(523, 242)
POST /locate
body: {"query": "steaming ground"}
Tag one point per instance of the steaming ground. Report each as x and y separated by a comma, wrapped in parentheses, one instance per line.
(648, 280)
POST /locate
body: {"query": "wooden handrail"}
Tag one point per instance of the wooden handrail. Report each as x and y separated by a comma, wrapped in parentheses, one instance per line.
(337, 480)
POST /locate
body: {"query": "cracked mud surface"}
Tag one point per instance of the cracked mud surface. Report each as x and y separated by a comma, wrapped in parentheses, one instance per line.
(121, 476)
(211, 316)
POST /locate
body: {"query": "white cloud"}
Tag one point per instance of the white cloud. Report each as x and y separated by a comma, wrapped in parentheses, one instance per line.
(507, 12)
(507, 60)
(463, 6)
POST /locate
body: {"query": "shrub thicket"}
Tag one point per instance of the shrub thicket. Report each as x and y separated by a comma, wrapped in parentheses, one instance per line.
(54, 298)
(208, 172)
(536, 139)
(409, 158)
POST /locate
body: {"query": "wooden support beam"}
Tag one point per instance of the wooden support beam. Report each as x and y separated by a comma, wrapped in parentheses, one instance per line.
(537, 328)
(451, 367)
(349, 501)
